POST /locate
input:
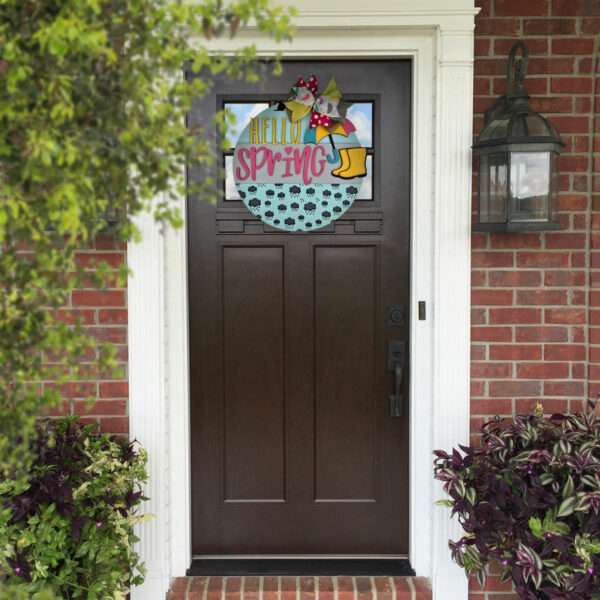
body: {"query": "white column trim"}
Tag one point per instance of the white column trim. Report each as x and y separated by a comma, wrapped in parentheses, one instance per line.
(452, 283)
(439, 40)
(177, 383)
(147, 398)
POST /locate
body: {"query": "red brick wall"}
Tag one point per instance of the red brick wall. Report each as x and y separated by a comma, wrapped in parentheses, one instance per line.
(104, 313)
(536, 314)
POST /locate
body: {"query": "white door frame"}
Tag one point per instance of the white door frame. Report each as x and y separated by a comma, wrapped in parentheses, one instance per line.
(438, 36)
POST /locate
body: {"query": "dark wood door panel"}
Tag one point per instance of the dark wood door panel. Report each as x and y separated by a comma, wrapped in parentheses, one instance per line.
(253, 299)
(345, 342)
(294, 450)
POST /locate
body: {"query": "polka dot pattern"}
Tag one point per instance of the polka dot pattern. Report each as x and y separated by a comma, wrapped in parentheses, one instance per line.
(294, 207)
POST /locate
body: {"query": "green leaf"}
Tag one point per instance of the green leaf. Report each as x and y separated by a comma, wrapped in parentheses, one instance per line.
(540, 528)
(447, 503)
(567, 507)
(568, 488)
(535, 525)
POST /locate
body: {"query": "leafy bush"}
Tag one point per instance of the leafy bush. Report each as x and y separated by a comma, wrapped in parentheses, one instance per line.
(68, 527)
(92, 126)
(529, 499)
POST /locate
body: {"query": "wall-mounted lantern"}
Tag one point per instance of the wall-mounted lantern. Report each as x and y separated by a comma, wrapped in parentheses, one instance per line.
(517, 152)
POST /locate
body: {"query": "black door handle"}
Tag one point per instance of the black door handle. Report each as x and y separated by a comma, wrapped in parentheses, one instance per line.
(396, 351)
(396, 399)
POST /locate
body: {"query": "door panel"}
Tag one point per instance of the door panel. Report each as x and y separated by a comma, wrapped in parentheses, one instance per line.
(253, 373)
(345, 348)
(294, 449)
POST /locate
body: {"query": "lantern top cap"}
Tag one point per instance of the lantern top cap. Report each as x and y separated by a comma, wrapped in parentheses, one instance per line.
(511, 124)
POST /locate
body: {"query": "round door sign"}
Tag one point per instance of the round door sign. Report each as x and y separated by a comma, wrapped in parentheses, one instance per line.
(299, 164)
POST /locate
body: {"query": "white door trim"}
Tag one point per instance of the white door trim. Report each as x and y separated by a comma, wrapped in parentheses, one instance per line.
(439, 40)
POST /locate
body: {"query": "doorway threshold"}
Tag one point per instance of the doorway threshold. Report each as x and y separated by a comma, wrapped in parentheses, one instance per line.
(369, 567)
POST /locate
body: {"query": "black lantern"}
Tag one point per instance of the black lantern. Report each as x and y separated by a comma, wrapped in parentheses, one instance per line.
(517, 151)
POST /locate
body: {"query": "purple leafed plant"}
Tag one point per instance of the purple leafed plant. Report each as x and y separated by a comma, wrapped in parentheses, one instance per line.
(529, 498)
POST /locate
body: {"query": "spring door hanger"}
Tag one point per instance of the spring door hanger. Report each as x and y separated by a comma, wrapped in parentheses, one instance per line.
(299, 164)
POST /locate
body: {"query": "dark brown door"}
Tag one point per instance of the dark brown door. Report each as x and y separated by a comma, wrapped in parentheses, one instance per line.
(294, 447)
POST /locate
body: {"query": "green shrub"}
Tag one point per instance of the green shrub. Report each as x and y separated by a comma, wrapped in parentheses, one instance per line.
(68, 528)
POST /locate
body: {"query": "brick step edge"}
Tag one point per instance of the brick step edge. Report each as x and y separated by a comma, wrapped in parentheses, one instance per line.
(300, 588)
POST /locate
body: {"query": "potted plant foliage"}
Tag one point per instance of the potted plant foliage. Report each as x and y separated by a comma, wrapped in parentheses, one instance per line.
(528, 498)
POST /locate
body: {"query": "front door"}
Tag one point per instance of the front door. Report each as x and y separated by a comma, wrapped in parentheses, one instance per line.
(299, 354)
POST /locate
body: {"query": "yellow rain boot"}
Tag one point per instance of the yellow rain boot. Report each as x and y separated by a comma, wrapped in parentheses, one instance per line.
(358, 164)
(344, 164)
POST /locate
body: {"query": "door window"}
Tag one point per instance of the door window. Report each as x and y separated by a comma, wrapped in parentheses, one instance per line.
(359, 112)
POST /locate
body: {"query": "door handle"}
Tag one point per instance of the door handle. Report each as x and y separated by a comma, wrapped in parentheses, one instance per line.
(396, 352)
(396, 399)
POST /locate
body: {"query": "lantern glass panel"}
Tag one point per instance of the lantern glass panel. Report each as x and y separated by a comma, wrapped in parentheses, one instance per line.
(530, 186)
(493, 171)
